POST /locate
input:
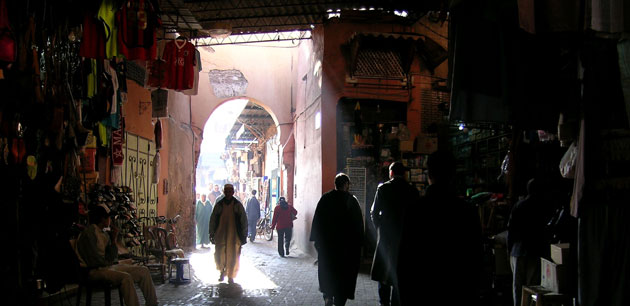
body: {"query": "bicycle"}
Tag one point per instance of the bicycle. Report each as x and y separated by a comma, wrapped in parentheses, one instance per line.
(263, 226)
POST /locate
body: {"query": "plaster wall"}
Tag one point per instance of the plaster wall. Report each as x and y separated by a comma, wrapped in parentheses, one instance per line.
(180, 167)
(308, 140)
(176, 159)
(268, 70)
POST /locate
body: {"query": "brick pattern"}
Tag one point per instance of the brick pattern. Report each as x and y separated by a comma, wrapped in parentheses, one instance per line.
(430, 100)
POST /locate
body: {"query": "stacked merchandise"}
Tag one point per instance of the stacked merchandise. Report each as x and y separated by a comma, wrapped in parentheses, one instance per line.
(121, 202)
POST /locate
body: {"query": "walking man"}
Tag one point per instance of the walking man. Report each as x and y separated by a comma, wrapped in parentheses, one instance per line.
(448, 231)
(253, 214)
(390, 201)
(228, 232)
(338, 235)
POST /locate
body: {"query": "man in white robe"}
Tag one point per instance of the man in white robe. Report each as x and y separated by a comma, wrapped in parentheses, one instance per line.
(228, 232)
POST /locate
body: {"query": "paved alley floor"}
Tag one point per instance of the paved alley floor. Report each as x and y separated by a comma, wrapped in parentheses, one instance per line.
(264, 278)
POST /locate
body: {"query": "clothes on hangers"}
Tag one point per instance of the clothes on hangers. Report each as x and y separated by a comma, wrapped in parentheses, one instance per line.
(180, 57)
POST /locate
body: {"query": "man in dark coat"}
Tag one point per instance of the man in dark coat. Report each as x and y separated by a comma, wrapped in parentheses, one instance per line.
(202, 217)
(252, 208)
(387, 213)
(338, 235)
(441, 248)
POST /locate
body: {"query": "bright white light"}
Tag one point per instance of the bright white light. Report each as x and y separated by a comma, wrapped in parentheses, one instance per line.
(400, 13)
(461, 126)
(248, 276)
(244, 141)
(318, 120)
(333, 15)
(318, 65)
(220, 174)
(240, 131)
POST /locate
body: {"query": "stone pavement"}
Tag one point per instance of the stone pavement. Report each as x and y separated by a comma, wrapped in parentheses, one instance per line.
(264, 278)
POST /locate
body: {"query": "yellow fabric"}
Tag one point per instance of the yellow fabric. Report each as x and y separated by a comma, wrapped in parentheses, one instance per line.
(227, 244)
(102, 133)
(107, 14)
(92, 80)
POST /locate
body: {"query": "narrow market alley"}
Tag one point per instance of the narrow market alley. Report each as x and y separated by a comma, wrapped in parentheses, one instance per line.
(264, 279)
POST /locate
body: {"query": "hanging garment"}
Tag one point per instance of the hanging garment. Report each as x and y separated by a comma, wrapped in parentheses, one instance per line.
(138, 23)
(93, 41)
(159, 103)
(611, 16)
(179, 55)
(623, 50)
(155, 177)
(158, 135)
(7, 39)
(549, 16)
(107, 16)
(195, 89)
(157, 76)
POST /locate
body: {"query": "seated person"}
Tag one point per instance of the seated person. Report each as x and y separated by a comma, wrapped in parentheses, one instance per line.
(98, 252)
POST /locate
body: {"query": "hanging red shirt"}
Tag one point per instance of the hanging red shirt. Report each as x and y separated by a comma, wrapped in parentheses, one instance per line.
(93, 42)
(137, 24)
(180, 57)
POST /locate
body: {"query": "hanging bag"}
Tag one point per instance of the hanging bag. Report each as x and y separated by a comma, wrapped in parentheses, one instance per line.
(7, 39)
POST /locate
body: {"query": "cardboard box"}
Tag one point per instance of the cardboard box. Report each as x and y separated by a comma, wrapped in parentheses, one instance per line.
(553, 276)
(560, 253)
(426, 145)
(501, 261)
(88, 160)
(406, 145)
(90, 141)
(91, 178)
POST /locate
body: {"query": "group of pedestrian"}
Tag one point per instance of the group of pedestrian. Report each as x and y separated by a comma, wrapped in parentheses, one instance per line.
(427, 246)
(230, 224)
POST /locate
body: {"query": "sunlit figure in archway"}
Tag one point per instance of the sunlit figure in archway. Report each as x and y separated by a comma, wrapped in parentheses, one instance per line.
(228, 232)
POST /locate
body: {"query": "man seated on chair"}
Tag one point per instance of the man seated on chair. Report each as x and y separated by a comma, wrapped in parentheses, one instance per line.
(97, 251)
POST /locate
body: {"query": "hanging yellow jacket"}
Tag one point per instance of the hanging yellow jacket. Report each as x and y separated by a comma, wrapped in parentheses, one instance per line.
(107, 15)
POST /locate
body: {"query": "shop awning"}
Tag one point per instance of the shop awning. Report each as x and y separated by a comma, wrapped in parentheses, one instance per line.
(389, 55)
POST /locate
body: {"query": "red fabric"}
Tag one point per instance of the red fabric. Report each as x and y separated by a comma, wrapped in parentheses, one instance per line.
(158, 74)
(93, 41)
(7, 41)
(282, 217)
(180, 58)
(137, 24)
(117, 147)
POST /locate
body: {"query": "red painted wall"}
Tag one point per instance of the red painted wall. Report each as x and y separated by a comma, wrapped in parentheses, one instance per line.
(336, 33)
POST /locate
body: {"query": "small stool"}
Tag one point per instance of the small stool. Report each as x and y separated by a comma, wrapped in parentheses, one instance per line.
(539, 296)
(179, 272)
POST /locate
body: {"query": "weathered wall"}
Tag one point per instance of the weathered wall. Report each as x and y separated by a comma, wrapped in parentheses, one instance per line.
(176, 160)
(267, 68)
(181, 199)
(308, 140)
